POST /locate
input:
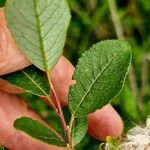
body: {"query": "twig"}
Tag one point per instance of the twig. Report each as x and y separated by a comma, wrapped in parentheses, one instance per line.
(116, 19)
(60, 114)
(70, 128)
(71, 123)
(50, 103)
(144, 78)
(120, 34)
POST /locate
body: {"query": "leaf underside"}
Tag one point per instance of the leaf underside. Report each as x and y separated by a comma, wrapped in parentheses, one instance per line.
(100, 75)
(38, 131)
(79, 130)
(39, 28)
(31, 80)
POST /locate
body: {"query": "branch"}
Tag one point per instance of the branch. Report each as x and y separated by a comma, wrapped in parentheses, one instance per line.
(144, 78)
(60, 114)
(116, 19)
(120, 34)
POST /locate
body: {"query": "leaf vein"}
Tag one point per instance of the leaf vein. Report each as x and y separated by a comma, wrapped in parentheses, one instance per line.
(34, 83)
(99, 74)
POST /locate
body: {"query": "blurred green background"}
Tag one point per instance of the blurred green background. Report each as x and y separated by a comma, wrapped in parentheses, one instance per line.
(91, 22)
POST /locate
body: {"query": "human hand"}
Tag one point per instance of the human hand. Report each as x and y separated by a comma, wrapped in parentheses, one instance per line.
(102, 123)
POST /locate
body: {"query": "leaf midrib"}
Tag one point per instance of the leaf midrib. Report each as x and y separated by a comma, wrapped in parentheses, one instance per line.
(107, 65)
(40, 37)
(51, 138)
(34, 83)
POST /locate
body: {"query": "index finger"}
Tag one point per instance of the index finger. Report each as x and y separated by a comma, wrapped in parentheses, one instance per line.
(11, 59)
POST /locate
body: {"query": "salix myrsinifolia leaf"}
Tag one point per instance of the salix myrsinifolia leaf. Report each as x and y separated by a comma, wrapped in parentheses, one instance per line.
(79, 130)
(38, 131)
(39, 28)
(31, 80)
(100, 76)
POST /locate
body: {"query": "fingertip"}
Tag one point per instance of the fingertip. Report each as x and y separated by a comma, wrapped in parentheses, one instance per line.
(105, 122)
(11, 57)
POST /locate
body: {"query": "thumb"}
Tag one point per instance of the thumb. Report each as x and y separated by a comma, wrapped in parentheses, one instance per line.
(9, 136)
(11, 59)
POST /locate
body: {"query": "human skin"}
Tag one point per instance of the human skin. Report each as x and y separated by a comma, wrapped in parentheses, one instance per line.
(102, 123)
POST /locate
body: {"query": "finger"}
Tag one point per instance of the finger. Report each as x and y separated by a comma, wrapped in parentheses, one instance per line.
(105, 122)
(11, 59)
(9, 88)
(12, 108)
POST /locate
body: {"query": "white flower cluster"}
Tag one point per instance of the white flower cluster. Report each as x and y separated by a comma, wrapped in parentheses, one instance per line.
(138, 138)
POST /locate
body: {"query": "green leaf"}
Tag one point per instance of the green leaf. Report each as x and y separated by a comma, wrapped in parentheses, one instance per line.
(2, 3)
(100, 76)
(112, 143)
(145, 4)
(43, 110)
(31, 80)
(39, 28)
(79, 130)
(38, 131)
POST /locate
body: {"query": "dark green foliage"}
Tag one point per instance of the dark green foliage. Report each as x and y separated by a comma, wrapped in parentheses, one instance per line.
(31, 80)
(36, 130)
(88, 143)
(40, 32)
(100, 75)
(2, 3)
(79, 130)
